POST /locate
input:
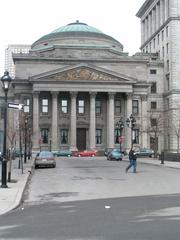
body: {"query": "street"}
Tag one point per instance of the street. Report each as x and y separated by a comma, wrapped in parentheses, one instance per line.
(92, 198)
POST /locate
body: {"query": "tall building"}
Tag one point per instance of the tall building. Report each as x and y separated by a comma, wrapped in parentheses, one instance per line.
(160, 33)
(14, 48)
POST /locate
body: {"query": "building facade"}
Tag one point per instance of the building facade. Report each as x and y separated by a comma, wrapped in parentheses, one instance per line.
(160, 34)
(76, 83)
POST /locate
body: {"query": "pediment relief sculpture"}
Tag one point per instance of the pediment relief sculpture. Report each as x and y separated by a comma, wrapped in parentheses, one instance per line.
(83, 74)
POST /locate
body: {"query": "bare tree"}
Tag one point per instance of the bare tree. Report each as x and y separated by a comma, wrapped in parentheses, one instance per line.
(155, 128)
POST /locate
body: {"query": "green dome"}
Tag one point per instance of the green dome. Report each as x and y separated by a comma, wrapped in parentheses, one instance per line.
(72, 34)
(77, 27)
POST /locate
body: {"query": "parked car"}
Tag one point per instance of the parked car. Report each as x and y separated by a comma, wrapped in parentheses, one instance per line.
(45, 158)
(144, 152)
(115, 154)
(62, 153)
(108, 150)
(85, 153)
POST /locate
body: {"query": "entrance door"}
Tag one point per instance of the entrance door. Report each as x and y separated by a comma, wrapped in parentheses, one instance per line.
(81, 138)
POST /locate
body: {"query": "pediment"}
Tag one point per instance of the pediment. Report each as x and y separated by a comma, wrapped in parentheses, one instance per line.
(83, 73)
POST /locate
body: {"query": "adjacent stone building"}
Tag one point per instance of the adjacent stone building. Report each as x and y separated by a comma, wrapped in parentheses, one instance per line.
(76, 83)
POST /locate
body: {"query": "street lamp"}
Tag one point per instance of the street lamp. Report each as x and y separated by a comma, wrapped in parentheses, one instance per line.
(120, 126)
(25, 139)
(131, 122)
(6, 80)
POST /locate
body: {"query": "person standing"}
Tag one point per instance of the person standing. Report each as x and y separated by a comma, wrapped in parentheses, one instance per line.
(133, 161)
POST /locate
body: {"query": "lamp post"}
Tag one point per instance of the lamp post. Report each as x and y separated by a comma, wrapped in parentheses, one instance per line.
(120, 126)
(25, 139)
(131, 122)
(6, 80)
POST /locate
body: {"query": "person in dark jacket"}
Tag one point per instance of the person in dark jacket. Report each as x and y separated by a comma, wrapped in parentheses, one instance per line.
(133, 161)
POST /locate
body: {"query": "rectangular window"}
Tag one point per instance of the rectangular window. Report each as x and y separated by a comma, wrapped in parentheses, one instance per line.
(98, 107)
(153, 122)
(154, 43)
(153, 71)
(44, 135)
(167, 81)
(153, 105)
(167, 31)
(158, 38)
(167, 65)
(163, 51)
(117, 106)
(98, 136)
(27, 105)
(44, 105)
(135, 107)
(167, 48)
(64, 136)
(64, 106)
(153, 87)
(162, 34)
(81, 109)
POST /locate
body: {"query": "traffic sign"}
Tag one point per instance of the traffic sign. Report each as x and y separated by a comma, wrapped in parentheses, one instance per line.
(19, 106)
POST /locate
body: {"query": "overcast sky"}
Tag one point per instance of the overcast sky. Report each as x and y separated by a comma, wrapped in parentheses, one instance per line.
(23, 22)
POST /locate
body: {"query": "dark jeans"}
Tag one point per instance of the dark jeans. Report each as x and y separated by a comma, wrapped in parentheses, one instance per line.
(133, 163)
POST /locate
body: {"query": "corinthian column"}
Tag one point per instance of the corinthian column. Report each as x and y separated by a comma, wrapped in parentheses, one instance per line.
(92, 127)
(110, 117)
(36, 132)
(54, 126)
(73, 146)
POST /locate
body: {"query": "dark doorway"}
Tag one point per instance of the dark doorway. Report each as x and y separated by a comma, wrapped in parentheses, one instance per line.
(81, 138)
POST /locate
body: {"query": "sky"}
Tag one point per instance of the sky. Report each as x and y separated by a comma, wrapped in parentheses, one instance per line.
(24, 22)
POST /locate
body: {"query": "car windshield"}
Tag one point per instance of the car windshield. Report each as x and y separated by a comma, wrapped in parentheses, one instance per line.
(46, 154)
(116, 150)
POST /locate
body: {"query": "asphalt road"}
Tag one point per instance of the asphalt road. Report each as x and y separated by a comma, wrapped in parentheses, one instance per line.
(96, 200)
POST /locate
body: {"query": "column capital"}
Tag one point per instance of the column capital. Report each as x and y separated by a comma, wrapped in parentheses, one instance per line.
(36, 93)
(54, 93)
(143, 97)
(129, 95)
(73, 94)
(111, 95)
(92, 94)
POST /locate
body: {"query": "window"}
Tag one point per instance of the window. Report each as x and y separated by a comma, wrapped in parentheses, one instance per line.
(167, 48)
(153, 87)
(98, 107)
(98, 136)
(167, 65)
(167, 31)
(162, 34)
(153, 71)
(153, 105)
(27, 105)
(44, 105)
(81, 106)
(64, 136)
(64, 106)
(44, 135)
(167, 81)
(117, 106)
(163, 51)
(154, 43)
(135, 107)
(153, 122)
(158, 39)
(136, 136)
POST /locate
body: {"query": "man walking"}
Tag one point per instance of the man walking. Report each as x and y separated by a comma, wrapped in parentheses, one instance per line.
(133, 161)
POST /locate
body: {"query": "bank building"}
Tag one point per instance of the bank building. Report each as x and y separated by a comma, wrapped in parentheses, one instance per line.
(76, 83)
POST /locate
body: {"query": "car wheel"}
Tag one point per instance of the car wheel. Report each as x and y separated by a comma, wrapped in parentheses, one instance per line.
(69, 155)
(92, 155)
(36, 166)
(79, 155)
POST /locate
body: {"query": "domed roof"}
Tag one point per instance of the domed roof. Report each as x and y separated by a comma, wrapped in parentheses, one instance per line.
(77, 27)
(75, 32)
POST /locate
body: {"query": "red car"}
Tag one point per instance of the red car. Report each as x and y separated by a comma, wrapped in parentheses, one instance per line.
(85, 153)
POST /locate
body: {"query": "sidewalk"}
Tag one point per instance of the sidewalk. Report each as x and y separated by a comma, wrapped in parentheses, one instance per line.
(10, 197)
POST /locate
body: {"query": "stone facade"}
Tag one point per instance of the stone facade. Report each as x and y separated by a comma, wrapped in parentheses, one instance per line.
(77, 85)
(161, 35)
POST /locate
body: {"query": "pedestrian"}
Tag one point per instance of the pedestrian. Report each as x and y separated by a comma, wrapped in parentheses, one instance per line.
(133, 160)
